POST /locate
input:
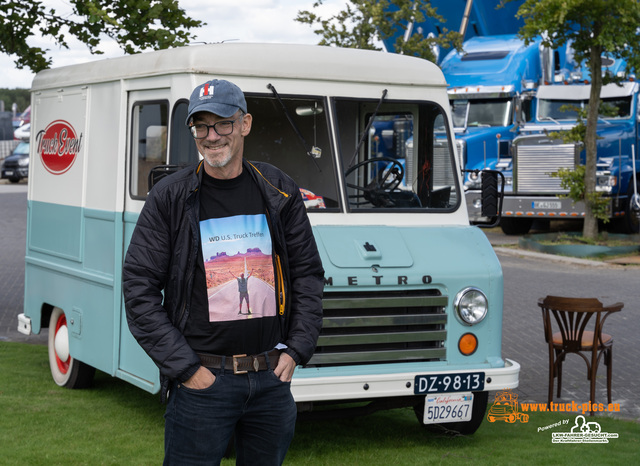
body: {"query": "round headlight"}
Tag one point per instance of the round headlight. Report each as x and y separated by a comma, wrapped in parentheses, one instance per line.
(471, 305)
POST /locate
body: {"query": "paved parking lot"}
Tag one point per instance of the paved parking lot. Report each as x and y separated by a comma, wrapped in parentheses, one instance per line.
(528, 278)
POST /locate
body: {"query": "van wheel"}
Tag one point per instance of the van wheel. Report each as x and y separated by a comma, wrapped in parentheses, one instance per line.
(478, 410)
(515, 226)
(65, 370)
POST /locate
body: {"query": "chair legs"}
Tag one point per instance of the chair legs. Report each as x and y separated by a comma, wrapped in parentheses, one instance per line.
(552, 372)
(608, 360)
(559, 365)
(555, 371)
(556, 358)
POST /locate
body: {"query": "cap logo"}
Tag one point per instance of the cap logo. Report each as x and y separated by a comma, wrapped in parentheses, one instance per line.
(207, 90)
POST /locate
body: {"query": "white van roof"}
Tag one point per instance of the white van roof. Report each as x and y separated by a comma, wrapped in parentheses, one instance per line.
(319, 63)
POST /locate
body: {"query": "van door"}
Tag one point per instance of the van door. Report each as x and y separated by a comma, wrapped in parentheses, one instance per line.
(148, 124)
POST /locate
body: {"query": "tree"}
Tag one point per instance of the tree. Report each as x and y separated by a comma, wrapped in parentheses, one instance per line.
(135, 25)
(363, 23)
(593, 27)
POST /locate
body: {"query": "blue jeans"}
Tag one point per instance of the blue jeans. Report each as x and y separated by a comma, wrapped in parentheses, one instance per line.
(257, 407)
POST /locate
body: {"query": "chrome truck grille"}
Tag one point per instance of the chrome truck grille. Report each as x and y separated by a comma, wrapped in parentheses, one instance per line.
(378, 328)
(536, 159)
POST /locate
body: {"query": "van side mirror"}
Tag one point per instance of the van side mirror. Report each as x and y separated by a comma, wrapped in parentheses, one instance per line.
(159, 172)
(492, 194)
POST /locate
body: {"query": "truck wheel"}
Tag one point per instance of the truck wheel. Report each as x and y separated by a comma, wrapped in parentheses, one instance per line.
(65, 370)
(458, 428)
(515, 226)
(630, 223)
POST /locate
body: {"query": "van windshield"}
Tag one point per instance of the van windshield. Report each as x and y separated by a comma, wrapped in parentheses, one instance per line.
(296, 140)
(405, 160)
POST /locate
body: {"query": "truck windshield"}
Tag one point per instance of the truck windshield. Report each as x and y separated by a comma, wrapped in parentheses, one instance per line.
(403, 161)
(611, 107)
(481, 112)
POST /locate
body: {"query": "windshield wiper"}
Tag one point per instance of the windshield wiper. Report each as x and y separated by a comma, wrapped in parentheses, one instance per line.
(310, 151)
(543, 118)
(366, 130)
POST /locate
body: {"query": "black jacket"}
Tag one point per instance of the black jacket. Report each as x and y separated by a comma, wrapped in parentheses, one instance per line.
(162, 256)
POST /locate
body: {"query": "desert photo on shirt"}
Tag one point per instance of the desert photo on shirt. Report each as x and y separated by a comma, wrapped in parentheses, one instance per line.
(237, 255)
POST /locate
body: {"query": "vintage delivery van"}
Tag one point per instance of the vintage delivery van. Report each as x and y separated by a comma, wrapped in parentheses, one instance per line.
(413, 293)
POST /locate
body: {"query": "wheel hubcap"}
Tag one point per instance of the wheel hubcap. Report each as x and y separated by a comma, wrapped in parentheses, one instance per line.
(61, 345)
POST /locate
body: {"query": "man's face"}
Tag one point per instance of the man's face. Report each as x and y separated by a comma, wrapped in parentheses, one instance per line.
(223, 154)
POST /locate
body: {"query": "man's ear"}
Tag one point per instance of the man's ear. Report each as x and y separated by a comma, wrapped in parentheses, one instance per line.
(246, 124)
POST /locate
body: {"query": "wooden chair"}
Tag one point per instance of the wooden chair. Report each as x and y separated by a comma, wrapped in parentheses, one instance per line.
(571, 318)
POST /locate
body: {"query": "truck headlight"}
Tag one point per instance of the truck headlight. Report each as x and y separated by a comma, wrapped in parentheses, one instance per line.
(605, 183)
(474, 182)
(471, 305)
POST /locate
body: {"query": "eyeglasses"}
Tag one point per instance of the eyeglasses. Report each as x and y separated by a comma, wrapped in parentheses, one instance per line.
(222, 128)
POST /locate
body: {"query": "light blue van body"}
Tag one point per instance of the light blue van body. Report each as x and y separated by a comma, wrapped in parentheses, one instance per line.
(409, 283)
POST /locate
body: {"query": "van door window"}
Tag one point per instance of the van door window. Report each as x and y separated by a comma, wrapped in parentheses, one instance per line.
(149, 143)
(284, 143)
(182, 151)
(405, 160)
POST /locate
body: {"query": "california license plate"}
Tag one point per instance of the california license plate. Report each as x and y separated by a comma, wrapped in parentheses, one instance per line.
(546, 205)
(447, 383)
(439, 409)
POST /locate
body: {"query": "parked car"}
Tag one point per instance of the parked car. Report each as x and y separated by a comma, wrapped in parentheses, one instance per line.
(22, 133)
(21, 119)
(16, 165)
(25, 117)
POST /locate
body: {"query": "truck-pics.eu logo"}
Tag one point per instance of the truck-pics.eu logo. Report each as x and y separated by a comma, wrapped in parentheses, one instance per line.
(505, 408)
(58, 146)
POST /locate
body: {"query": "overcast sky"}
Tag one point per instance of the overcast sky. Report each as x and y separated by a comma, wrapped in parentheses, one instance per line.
(227, 20)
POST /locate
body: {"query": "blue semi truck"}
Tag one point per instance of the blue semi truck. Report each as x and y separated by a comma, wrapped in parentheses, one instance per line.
(492, 86)
(506, 99)
(538, 152)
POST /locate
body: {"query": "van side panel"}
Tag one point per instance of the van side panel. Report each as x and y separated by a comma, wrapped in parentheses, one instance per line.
(74, 219)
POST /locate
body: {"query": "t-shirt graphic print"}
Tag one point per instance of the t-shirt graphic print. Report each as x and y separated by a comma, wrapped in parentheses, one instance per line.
(237, 255)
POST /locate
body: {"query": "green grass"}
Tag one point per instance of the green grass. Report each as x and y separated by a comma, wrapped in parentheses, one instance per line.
(115, 423)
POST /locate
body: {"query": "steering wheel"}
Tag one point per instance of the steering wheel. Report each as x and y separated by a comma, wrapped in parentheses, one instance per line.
(378, 191)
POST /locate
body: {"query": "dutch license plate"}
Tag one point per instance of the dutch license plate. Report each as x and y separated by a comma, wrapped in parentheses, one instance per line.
(546, 205)
(439, 409)
(447, 383)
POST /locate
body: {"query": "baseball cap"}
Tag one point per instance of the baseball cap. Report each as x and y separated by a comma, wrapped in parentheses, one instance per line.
(217, 96)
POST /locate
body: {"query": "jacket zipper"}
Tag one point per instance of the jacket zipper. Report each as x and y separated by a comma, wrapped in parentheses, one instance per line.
(281, 295)
(279, 272)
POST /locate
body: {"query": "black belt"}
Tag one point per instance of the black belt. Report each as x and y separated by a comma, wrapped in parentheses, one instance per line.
(241, 363)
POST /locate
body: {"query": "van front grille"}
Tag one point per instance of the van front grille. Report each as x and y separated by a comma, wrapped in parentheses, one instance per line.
(380, 328)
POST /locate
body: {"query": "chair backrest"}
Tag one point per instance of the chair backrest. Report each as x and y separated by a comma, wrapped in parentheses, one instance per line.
(572, 316)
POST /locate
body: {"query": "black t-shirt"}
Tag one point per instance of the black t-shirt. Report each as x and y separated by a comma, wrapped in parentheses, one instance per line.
(233, 305)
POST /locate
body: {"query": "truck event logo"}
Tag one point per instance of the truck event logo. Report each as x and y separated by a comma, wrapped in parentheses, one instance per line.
(58, 146)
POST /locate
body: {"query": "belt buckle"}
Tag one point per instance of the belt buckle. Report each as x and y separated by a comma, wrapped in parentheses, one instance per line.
(235, 363)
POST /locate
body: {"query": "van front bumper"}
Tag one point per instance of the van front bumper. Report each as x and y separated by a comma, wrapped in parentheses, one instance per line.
(357, 387)
(24, 324)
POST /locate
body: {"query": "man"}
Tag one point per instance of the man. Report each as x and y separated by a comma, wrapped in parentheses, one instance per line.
(209, 217)
(243, 291)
